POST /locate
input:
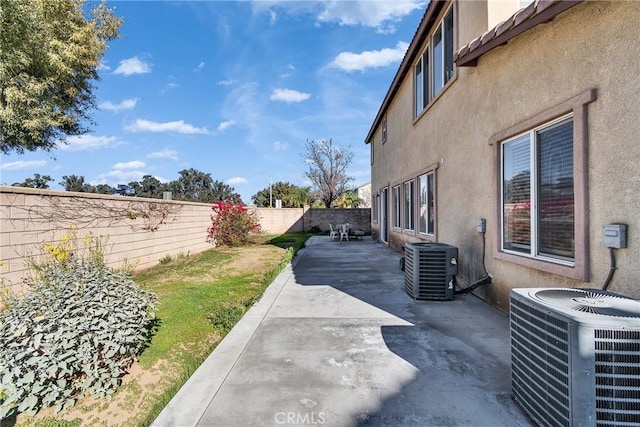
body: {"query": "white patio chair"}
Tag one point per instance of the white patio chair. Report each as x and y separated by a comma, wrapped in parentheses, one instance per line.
(333, 233)
(344, 232)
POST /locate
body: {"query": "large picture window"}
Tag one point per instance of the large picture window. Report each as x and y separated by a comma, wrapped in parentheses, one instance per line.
(408, 205)
(395, 215)
(434, 68)
(538, 206)
(426, 220)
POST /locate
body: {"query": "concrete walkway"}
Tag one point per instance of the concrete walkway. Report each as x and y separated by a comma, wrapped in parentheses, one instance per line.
(336, 341)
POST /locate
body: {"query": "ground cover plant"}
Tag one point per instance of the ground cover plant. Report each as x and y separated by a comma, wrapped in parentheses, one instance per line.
(76, 332)
(200, 297)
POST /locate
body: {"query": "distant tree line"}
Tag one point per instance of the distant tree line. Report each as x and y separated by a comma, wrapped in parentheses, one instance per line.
(192, 185)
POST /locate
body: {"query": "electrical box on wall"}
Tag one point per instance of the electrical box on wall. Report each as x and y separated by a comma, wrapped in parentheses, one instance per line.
(615, 235)
(481, 225)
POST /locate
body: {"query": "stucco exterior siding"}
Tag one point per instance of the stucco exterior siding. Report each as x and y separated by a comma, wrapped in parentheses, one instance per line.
(593, 46)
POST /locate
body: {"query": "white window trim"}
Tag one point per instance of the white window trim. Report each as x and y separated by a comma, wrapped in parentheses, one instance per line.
(408, 209)
(533, 185)
(578, 106)
(419, 204)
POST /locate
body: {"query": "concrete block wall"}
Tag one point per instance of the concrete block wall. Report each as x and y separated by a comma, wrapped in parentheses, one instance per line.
(290, 220)
(137, 231)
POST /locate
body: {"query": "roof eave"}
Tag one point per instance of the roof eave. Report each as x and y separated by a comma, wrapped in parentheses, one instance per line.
(538, 12)
(428, 19)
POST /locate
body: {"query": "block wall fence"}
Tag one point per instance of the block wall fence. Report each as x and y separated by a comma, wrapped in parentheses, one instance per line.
(136, 230)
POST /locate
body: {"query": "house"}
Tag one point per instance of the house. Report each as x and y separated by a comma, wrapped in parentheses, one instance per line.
(364, 194)
(523, 118)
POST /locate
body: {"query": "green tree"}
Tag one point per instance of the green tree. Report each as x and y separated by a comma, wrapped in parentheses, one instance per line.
(76, 183)
(38, 181)
(104, 189)
(348, 199)
(49, 56)
(196, 186)
(327, 171)
(150, 187)
(291, 195)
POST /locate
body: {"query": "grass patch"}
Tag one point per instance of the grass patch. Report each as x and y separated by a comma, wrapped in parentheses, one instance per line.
(200, 298)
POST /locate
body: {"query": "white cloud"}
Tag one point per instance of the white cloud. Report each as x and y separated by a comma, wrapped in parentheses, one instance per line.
(280, 146)
(89, 142)
(165, 153)
(134, 164)
(381, 15)
(103, 66)
(119, 176)
(22, 165)
(169, 87)
(227, 82)
(226, 125)
(236, 180)
(179, 126)
(288, 95)
(131, 66)
(125, 104)
(199, 67)
(349, 61)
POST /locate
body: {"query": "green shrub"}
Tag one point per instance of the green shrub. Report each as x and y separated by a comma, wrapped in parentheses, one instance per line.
(77, 331)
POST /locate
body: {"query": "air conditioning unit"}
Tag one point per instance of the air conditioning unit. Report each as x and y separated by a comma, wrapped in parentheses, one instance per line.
(429, 269)
(575, 356)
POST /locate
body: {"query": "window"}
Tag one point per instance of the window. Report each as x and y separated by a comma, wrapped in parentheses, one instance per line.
(408, 205)
(371, 150)
(538, 204)
(426, 220)
(384, 129)
(431, 76)
(395, 215)
(542, 239)
(376, 207)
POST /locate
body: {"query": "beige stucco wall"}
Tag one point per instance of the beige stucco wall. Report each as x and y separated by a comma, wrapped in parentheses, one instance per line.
(595, 45)
(133, 228)
(29, 218)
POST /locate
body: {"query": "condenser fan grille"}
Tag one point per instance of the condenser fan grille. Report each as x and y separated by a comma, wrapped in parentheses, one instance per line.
(617, 374)
(590, 301)
(540, 364)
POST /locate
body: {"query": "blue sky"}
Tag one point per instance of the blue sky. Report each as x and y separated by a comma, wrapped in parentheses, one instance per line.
(233, 89)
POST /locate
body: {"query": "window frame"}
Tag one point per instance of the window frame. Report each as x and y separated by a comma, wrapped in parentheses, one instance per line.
(425, 90)
(408, 213)
(531, 137)
(384, 129)
(395, 206)
(578, 108)
(427, 233)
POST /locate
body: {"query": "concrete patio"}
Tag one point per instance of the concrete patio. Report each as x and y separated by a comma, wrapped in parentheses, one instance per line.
(336, 341)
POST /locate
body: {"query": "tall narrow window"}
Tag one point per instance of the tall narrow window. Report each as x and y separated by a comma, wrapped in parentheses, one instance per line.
(395, 196)
(419, 87)
(408, 205)
(538, 204)
(384, 128)
(448, 46)
(443, 53)
(438, 60)
(426, 221)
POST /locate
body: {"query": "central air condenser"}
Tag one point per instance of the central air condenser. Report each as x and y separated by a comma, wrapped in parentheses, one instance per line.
(429, 270)
(575, 356)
